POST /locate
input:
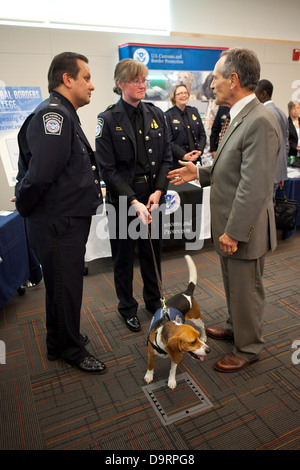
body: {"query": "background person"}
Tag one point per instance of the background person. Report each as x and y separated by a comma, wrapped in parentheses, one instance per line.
(58, 191)
(187, 134)
(294, 128)
(242, 212)
(264, 92)
(134, 154)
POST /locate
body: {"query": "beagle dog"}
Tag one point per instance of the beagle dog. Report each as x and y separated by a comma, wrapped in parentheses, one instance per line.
(169, 336)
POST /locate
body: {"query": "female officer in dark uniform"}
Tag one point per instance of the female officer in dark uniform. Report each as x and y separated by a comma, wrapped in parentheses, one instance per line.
(134, 154)
(188, 136)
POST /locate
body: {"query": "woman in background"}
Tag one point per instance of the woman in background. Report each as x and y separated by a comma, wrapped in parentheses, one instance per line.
(187, 134)
(294, 126)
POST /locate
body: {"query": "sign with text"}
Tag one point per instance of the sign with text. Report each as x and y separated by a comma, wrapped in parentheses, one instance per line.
(16, 103)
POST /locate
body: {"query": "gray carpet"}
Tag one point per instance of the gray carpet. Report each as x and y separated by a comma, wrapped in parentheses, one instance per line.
(51, 406)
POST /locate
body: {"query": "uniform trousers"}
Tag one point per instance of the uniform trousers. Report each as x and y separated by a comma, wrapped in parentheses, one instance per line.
(59, 243)
(123, 254)
(245, 302)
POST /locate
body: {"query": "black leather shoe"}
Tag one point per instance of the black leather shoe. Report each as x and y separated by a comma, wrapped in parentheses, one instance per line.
(89, 364)
(56, 357)
(133, 323)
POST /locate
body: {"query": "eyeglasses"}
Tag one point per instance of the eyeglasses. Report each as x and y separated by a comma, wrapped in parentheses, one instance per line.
(181, 93)
(137, 82)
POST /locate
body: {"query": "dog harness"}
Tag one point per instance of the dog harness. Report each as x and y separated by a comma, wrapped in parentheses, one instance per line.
(161, 315)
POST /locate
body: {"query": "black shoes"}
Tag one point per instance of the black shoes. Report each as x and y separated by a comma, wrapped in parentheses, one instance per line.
(89, 364)
(56, 357)
(133, 324)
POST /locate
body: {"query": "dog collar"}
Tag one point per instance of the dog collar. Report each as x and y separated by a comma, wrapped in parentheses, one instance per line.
(158, 348)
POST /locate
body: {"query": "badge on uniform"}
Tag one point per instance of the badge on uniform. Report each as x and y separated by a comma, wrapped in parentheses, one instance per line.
(194, 117)
(154, 124)
(175, 121)
(99, 127)
(53, 123)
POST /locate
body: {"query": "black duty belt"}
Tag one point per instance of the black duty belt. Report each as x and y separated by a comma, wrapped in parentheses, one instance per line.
(142, 179)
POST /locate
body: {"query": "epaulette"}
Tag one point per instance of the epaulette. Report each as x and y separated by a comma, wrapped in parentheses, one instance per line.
(110, 106)
(54, 102)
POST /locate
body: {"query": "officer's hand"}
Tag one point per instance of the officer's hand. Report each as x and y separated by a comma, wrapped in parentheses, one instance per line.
(153, 200)
(141, 211)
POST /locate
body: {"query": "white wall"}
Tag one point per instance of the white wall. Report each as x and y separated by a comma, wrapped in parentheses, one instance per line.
(269, 27)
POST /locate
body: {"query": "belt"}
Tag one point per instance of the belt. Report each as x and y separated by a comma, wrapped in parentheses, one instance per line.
(142, 179)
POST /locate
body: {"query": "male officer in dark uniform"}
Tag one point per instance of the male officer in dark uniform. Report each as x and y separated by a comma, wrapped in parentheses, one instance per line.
(133, 150)
(58, 191)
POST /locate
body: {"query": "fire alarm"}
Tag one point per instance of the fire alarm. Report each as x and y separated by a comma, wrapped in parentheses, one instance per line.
(296, 54)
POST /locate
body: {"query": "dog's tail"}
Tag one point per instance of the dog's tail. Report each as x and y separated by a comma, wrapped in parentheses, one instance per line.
(192, 275)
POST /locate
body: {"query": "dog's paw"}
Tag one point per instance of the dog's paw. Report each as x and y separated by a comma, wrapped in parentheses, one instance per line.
(149, 376)
(172, 384)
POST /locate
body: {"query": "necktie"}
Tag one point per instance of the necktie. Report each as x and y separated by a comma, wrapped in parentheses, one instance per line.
(189, 132)
(225, 127)
(140, 143)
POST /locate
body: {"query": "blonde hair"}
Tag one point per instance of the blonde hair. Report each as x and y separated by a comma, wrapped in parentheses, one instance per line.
(172, 97)
(127, 70)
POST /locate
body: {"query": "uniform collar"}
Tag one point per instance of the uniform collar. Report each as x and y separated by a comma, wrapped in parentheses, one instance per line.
(66, 103)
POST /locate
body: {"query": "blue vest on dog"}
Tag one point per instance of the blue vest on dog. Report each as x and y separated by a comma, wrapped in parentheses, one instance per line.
(170, 314)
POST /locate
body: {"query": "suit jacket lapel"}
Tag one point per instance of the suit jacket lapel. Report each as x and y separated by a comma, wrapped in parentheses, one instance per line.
(237, 121)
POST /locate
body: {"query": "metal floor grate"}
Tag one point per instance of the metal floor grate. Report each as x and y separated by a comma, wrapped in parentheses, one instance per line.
(185, 400)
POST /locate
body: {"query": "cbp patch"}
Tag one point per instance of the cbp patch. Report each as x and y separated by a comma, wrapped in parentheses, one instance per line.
(99, 127)
(53, 123)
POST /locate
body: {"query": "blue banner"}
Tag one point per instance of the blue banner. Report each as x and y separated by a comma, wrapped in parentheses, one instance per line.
(16, 103)
(161, 57)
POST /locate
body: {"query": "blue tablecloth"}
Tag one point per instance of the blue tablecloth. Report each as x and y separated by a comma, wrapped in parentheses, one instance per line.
(19, 263)
(292, 191)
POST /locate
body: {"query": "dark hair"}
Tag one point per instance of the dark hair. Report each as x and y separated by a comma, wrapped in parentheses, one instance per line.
(66, 62)
(265, 85)
(245, 64)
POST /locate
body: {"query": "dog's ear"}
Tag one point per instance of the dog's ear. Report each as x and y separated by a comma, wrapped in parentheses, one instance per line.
(173, 349)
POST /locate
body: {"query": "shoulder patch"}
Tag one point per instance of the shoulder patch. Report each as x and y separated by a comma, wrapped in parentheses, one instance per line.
(99, 127)
(53, 123)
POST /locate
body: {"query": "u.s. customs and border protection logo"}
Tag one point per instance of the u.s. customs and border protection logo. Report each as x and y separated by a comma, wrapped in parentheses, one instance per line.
(172, 199)
(141, 55)
(53, 123)
(99, 127)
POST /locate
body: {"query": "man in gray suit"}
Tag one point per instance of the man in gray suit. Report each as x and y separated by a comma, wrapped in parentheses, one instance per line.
(264, 92)
(242, 213)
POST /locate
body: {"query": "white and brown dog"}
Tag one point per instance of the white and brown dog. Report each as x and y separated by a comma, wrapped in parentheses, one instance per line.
(169, 336)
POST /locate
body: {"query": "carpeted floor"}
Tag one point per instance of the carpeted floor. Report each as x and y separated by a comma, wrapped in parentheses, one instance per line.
(51, 406)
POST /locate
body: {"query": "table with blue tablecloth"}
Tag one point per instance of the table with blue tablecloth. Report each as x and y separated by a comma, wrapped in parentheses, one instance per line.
(292, 191)
(18, 262)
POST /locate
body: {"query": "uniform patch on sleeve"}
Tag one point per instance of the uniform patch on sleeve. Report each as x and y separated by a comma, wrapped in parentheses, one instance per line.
(99, 127)
(53, 123)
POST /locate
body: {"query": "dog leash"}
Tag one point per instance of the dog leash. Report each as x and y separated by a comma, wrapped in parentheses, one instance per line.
(159, 283)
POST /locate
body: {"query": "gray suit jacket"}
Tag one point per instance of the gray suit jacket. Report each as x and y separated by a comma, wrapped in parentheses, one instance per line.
(283, 122)
(241, 178)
